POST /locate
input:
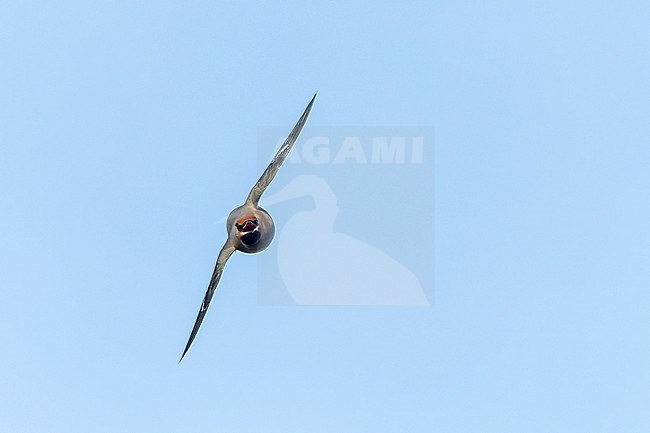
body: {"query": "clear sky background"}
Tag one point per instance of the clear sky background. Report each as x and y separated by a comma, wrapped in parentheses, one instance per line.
(128, 128)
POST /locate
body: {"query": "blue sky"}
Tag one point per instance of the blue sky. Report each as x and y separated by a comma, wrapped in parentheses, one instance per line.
(127, 130)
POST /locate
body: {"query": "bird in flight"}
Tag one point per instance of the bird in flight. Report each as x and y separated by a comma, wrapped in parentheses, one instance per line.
(250, 228)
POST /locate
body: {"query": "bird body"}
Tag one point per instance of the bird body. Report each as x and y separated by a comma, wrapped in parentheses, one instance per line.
(252, 227)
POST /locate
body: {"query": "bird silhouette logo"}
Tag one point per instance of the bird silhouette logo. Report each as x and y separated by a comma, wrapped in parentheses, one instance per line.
(329, 268)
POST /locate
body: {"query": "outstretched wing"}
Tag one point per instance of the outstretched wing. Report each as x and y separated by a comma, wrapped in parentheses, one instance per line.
(278, 159)
(224, 255)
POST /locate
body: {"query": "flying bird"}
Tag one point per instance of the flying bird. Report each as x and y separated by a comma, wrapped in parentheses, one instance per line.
(250, 228)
